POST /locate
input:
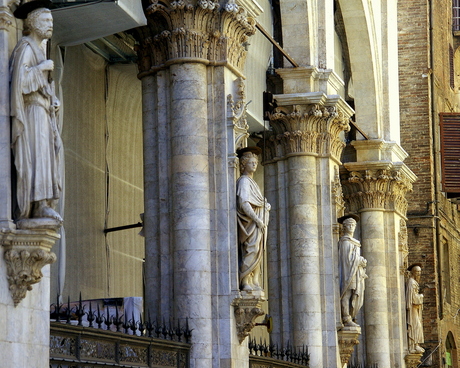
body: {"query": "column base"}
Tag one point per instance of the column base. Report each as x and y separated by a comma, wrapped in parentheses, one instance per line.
(348, 338)
(25, 254)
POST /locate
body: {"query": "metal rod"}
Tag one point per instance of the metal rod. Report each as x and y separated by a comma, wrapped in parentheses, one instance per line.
(276, 44)
(359, 129)
(118, 228)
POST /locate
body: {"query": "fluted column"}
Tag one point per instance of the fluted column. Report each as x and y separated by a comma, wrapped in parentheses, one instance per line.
(306, 130)
(377, 191)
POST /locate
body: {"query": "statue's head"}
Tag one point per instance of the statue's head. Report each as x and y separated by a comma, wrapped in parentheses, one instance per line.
(349, 225)
(248, 159)
(416, 272)
(40, 22)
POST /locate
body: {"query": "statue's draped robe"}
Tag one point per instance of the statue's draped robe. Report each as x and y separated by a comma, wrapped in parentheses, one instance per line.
(352, 274)
(251, 238)
(414, 306)
(35, 138)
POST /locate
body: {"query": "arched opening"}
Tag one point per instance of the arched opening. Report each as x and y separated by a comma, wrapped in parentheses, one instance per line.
(450, 355)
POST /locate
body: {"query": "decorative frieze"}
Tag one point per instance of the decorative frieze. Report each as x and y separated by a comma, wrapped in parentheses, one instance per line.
(312, 129)
(203, 32)
(26, 252)
(379, 188)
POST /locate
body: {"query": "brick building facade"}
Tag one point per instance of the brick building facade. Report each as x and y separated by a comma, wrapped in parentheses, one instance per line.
(428, 88)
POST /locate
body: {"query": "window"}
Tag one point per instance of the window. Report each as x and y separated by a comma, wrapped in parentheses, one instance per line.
(450, 153)
(456, 15)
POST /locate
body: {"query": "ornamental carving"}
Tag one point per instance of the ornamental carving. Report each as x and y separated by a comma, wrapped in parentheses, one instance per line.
(26, 252)
(201, 32)
(306, 129)
(6, 19)
(379, 188)
(247, 310)
(337, 194)
(413, 360)
(348, 339)
(403, 248)
(236, 115)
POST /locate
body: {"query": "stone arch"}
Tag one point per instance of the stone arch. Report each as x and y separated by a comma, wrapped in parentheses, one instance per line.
(365, 68)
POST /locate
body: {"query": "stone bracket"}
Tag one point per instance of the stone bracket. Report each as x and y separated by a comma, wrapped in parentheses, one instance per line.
(26, 252)
(413, 360)
(348, 339)
(247, 309)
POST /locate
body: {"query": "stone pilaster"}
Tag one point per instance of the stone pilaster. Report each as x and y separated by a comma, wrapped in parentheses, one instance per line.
(376, 190)
(6, 23)
(302, 153)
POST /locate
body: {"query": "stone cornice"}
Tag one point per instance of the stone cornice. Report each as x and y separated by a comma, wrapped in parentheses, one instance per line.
(185, 32)
(310, 128)
(376, 185)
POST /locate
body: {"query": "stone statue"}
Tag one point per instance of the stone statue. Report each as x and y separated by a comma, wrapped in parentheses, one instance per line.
(253, 214)
(352, 272)
(36, 141)
(414, 306)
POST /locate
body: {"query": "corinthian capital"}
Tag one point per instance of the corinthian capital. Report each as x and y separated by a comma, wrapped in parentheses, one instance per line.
(183, 31)
(380, 185)
(310, 125)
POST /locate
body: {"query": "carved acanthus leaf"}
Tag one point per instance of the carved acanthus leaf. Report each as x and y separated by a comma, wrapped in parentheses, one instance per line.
(348, 339)
(26, 252)
(246, 312)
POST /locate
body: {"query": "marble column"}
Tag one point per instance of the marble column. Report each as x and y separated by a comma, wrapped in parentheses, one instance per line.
(305, 134)
(375, 187)
(190, 58)
(6, 22)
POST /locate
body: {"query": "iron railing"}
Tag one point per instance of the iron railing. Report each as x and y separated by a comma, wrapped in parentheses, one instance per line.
(273, 356)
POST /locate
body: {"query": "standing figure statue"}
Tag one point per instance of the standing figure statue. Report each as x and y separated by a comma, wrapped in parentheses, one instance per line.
(352, 272)
(36, 141)
(253, 213)
(414, 306)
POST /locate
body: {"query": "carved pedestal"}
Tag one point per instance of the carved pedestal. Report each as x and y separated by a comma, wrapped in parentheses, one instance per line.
(348, 338)
(412, 360)
(25, 254)
(247, 309)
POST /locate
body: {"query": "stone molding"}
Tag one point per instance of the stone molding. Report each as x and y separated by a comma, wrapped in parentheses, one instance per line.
(185, 32)
(376, 186)
(412, 360)
(348, 339)
(308, 129)
(247, 309)
(26, 252)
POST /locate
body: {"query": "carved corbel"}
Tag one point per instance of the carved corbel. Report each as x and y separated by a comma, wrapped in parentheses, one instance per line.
(247, 310)
(26, 252)
(413, 360)
(348, 339)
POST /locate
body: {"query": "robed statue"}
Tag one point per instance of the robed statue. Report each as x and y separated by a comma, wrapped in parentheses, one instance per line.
(414, 307)
(253, 214)
(352, 272)
(36, 140)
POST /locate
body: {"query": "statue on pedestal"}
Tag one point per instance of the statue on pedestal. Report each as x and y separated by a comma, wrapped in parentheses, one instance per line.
(352, 272)
(414, 307)
(253, 214)
(36, 140)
